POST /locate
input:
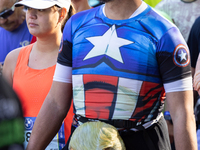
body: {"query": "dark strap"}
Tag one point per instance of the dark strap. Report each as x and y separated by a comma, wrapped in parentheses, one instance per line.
(115, 123)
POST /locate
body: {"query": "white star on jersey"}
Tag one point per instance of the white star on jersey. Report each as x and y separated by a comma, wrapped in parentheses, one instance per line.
(182, 55)
(107, 44)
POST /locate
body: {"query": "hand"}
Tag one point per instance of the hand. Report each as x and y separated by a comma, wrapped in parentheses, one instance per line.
(196, 82)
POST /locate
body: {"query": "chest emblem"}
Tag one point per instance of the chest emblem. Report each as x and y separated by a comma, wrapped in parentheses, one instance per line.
(108, 44)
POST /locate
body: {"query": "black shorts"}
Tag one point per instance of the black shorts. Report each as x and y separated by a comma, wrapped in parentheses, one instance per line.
(156, 135)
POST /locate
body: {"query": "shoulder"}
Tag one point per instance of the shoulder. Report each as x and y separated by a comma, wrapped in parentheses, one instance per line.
(11, 59)
(13, 55)
(10, 64)
(156, 24)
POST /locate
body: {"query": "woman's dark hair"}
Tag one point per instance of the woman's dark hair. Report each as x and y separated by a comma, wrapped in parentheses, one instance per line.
(70, 13)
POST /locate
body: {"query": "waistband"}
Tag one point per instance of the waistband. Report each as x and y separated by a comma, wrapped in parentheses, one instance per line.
(119, 124)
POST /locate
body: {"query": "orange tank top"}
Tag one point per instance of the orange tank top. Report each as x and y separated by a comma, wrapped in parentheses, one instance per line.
(32, 87)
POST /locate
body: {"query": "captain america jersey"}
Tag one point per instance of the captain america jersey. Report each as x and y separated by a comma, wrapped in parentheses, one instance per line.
(120, 67)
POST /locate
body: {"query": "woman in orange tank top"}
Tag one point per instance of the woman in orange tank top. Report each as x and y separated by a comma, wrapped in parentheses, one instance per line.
(30, 69)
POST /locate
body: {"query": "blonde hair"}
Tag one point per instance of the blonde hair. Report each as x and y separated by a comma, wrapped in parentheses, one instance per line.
(96, 136)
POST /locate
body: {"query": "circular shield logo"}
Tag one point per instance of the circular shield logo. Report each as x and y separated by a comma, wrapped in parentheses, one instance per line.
(181, 56)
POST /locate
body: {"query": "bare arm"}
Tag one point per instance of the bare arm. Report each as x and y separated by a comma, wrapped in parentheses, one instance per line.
(51, 115)
(10, 64)
(180, 105)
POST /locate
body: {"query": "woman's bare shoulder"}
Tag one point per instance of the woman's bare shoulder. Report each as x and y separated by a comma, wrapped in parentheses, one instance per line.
(13, 55)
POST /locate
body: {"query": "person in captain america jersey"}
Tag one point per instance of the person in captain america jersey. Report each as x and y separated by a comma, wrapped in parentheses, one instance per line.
(124, 59)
